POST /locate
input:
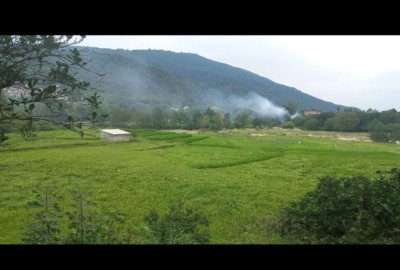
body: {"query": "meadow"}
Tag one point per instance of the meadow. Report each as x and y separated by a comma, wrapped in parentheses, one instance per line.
(239, 179)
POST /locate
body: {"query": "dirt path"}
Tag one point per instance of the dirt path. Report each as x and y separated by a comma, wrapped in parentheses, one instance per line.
(344, 136)
(184, 131)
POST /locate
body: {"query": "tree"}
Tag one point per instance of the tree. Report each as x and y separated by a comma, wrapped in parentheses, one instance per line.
(211, 120)
(226, 121)
(241, 120)
(322, 117)
(195, 122)
(330, 123)
(346, 121)
(180, 119)
(393, 131)
(141, 119)
(257, 122)
(42, 69)
(311, 123)
(159, 118)
(377, 131)
(299, 121)
(390, 116)
(120, 116)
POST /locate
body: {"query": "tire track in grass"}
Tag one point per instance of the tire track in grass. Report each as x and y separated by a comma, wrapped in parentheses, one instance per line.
(155, 148)
(52, 147)
(193, 139)
(235, 163)
(212, 143)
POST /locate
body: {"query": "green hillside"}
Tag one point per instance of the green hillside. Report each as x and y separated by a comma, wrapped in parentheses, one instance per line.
(154, 78)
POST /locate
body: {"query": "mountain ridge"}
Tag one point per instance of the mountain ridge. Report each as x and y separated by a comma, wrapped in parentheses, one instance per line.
(158, 78)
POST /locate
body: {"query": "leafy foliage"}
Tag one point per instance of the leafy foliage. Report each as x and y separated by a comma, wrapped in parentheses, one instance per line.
(380, 132)
(349, 210)
(179, 226)
(39, 71)
(241, 120)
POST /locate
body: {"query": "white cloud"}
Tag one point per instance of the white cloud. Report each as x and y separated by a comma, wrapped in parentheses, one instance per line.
(362, 55)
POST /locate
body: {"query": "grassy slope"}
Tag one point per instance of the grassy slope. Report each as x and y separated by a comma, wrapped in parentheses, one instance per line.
(236, 180)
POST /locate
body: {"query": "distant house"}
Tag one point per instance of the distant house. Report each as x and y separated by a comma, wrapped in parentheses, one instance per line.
(115, 135)
(311, 112)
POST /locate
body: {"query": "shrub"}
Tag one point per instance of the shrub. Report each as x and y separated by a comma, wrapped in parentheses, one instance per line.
(179, 226)
(288, 125)
(45, 229)
(355, 210)
(89, 227)
(85, 226)
(3, 137)
(389, 133)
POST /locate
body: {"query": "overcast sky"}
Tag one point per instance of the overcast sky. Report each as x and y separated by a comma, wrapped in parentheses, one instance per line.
(360, 71)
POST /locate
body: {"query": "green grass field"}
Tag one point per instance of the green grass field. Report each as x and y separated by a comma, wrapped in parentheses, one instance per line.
(236, 179)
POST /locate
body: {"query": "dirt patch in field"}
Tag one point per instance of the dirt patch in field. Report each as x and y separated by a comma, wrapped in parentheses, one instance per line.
(315, 134)
(342, 137)
(184, 131)
(353, 139)
(259, 135)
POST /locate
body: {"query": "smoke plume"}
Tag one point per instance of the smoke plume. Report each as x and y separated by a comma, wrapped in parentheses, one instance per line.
(259, 105)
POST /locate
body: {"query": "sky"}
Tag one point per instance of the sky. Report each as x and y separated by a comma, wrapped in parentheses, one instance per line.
(359, 71)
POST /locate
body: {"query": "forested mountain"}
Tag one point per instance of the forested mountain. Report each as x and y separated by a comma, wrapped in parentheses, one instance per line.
(146, 79)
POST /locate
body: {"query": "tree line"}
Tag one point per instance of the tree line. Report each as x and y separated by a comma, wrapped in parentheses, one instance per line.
(382, 126)
(185, 118)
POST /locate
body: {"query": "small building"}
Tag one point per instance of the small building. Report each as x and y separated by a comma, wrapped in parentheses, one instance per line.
(312, 112)
(115, 135)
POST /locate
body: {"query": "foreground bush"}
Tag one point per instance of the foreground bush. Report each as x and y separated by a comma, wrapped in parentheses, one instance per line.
(349, 210)
(180, 225)
(84, 225)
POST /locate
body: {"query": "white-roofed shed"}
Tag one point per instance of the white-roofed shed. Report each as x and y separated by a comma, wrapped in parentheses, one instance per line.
(115, 135)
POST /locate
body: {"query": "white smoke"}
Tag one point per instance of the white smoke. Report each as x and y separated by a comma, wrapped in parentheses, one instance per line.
(258, 104)
(295, 115)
